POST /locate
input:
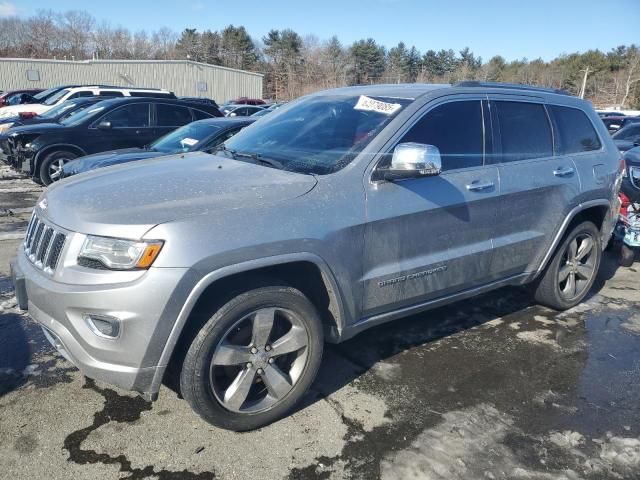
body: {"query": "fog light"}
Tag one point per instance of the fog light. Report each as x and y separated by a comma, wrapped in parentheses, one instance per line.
(103, 325)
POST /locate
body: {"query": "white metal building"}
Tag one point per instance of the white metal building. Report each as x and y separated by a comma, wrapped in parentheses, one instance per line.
(184, 77)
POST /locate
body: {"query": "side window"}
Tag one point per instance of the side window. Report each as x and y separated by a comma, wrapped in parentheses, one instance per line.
(574, 131)
(456, 129)
(172, 115)
(524, 131)
(81, 93)
(14, 99)
(129, 116)
(110, 93)
(199, 114)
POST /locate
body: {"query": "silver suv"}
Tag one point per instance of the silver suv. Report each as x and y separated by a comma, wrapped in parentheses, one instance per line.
(337, 212)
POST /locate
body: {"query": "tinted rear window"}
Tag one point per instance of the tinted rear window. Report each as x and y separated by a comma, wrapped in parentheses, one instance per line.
(574, 131)
(524, 131)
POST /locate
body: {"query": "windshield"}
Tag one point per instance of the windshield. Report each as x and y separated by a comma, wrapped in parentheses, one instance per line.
(44, 94)
(77, 119)
(58, 110)
(318, 134)
(628, 132)
(185, 139)
(53, 99)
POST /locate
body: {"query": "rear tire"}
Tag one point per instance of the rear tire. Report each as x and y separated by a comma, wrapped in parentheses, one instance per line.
(51, 166)
(254, 359)
(572, 270)
(627, 256)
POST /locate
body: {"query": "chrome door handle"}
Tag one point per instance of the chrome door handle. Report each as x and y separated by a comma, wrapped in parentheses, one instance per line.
(563, 171)
(478, 186)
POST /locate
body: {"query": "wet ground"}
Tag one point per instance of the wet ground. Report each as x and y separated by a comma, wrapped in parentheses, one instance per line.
(490, 388)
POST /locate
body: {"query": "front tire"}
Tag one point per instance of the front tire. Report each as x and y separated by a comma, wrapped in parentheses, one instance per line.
(627, 256)
(51, 166)
(254, 359)
(573, 268)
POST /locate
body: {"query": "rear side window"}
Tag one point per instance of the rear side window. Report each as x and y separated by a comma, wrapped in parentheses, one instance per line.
(110, 93)
(574, 131)
(456, 129)
(525, 132)
(80, 94)
(172, 115)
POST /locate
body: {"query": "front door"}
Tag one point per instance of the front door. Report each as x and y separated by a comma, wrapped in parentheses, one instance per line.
(130, 126)
(432, 236)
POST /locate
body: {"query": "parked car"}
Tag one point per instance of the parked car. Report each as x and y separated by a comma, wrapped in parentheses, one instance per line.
(267, 110)
(205, 100)
(41, 150)
(349, 208)
(199, 136)
(614, 113)
(71, 93)
(57, 113)
(245, 101)
(627, 137)
(240, 110)
(614, 124)
(17, 97)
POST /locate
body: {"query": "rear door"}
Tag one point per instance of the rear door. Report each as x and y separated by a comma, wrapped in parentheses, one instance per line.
(130, 127)
(432, 236)
(538, 188)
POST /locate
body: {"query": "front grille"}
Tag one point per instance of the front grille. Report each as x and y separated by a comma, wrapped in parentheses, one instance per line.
(43, 244)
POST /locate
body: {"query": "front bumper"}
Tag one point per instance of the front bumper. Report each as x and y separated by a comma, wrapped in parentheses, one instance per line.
(128, 361)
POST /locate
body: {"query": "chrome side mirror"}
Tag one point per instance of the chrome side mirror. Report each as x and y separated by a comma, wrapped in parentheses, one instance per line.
(413, 160)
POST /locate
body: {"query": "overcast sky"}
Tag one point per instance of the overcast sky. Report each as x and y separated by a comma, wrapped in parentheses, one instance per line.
(514, 29)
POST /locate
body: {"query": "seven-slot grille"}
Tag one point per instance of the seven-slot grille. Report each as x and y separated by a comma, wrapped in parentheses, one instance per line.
(43, 244)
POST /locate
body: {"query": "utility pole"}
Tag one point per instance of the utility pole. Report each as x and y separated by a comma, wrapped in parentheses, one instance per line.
(584, 82)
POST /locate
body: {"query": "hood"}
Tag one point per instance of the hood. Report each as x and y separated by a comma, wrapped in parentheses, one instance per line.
(14, 110)
(36, 128)
(126, 201)
(623, 145)
(105, 159)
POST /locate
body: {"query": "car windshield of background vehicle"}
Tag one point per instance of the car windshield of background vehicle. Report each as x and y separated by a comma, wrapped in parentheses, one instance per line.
(53, 99)
(44, 94)
(627, 133)
(184, 139)
(58, 109)
(318, 134)
(77, 119)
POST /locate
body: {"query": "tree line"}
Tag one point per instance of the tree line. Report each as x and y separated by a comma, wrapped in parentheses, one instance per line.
(295, 65)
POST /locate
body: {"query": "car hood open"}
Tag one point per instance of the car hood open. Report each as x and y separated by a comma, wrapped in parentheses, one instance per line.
(127, 200)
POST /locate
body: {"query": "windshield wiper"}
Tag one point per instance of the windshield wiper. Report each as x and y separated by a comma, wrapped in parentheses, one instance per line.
(259, 158)
(253, 156)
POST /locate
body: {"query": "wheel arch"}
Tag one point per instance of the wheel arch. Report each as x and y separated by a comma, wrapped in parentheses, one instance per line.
(53, 148)
(594, 210)
(305, 271)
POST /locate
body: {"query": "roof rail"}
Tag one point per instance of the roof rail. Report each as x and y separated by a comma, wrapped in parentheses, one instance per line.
(512, 86)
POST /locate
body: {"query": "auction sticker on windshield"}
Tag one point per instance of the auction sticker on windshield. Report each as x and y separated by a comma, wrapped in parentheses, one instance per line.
(189, 141)
(370, 105)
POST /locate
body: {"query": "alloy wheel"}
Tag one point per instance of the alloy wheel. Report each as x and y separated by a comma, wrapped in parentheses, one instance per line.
(577, 267)
(55, 168)
(259, 360)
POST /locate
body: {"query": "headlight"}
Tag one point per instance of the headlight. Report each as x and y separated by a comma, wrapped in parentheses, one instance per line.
(118, 254)
(5, 126)
(634, 172)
